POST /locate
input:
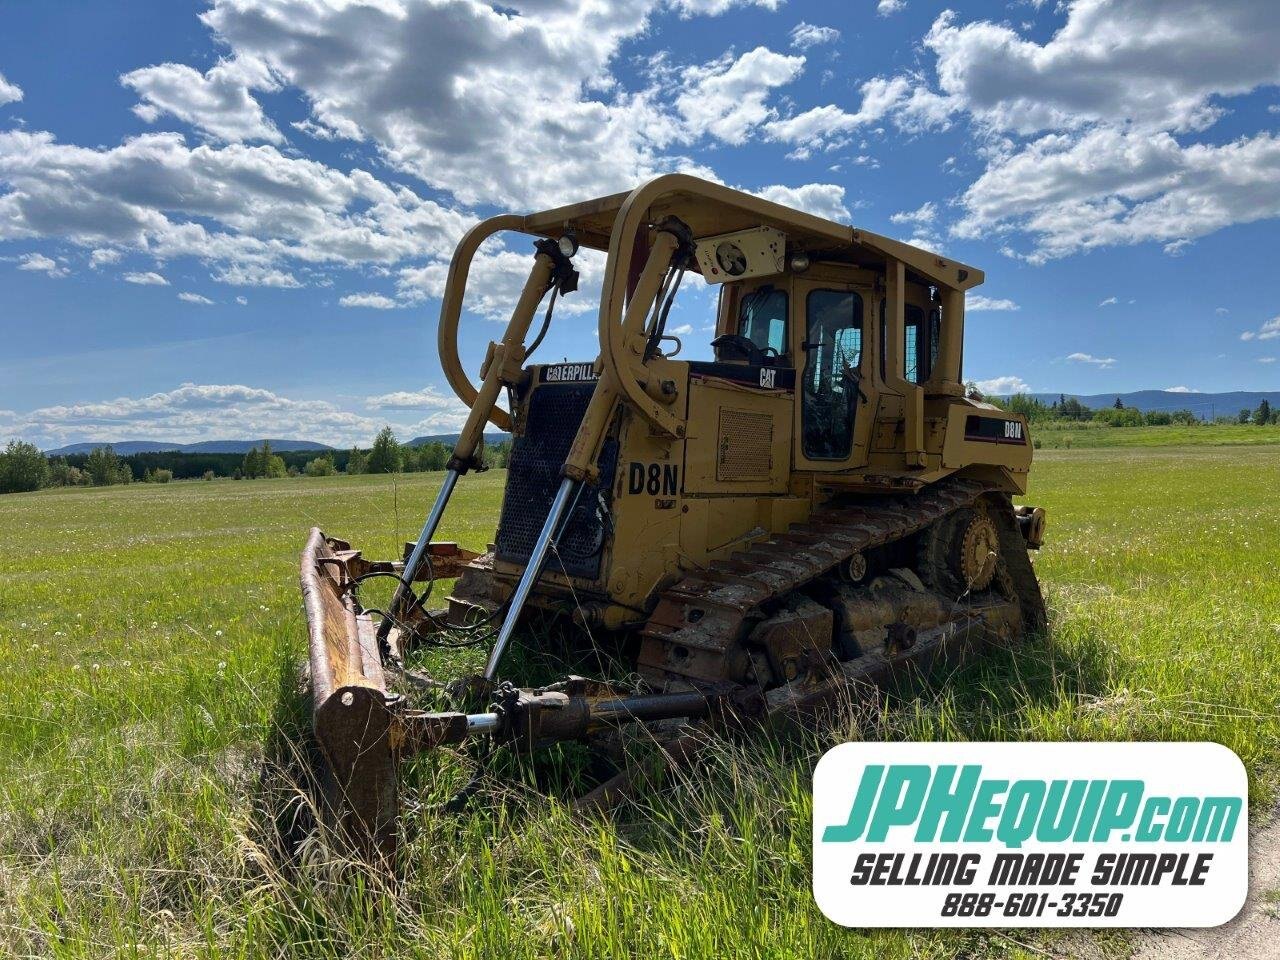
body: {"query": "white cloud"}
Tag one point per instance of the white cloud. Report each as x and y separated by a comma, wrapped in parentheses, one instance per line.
(9, 92)
(36, 262)
(925, 214)
(39, 263)
(726, 97)
(1221, 311)
(375, 300)
(195, 298)
(1268, 331)
(244, 210)
(887, 8)
(517, 105)
(1156, 63)
(904, 101)
(815, 127)
(1113, 187)
(194, 412)
(428, 398)
(104, 256)
(256, 275)
(317, 130)
(683, 330)
(1079, 131)
(446, 412)
(148, 278)
(1003, 386)
(218, 102)
(1109, 302)
(513, 106)
(974, 302)
(806, 35)
(1180, 390)
(1102, 363)
(820, 199)
(243, 301)
(713, 8)
(1266, 359)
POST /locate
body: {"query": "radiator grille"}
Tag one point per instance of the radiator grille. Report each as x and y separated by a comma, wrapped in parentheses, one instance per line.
(555, 412)
(744, 446)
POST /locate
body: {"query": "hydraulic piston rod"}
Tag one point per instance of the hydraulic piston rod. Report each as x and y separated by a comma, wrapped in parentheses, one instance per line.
(543, 716)
(532, 570)
(419, 548)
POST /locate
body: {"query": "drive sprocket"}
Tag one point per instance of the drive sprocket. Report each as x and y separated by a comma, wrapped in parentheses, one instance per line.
(959, 554)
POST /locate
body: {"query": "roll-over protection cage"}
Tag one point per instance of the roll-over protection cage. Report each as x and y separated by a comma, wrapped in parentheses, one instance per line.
(619, 224)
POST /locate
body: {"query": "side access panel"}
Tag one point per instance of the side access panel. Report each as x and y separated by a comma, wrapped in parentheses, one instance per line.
(738, 439)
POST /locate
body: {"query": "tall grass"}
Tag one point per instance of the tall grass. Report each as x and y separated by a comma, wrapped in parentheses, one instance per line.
(150, 636)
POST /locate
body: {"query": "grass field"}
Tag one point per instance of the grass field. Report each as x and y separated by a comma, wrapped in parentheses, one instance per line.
(1062, 436)
(148, 633)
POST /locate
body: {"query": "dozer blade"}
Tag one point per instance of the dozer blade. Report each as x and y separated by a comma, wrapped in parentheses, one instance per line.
(350, 713)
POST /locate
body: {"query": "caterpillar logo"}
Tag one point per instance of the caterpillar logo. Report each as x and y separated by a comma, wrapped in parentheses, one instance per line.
(768, 377)
(655, 479)
(569, 373)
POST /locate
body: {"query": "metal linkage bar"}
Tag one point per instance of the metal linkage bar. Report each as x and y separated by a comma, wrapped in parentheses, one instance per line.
(420, 548)
(540, 717)
(532, 570)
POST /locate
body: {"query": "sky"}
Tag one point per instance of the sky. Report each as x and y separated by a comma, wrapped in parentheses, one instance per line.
(233, 219)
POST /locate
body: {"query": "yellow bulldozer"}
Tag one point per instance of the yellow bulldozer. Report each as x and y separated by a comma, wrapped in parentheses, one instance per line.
(818, 504)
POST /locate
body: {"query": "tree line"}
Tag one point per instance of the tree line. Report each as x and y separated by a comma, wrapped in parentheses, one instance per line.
(1070, 410)
(24, 467)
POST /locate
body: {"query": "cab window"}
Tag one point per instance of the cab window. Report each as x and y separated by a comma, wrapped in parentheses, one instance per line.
(833, 356)
(916, 361)
(762, 319)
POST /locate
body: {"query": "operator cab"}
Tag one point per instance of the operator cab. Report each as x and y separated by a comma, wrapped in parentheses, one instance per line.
(822, 324)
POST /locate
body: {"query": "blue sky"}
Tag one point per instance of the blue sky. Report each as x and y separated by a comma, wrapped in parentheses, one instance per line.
(232, 219)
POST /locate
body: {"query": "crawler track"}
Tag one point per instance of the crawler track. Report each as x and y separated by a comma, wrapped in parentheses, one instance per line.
(705, 615)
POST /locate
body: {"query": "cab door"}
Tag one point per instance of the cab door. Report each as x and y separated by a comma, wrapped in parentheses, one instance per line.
(834, 412)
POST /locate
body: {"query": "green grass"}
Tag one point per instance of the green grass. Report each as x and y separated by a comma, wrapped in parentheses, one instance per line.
(1089, 433)
(149, 635)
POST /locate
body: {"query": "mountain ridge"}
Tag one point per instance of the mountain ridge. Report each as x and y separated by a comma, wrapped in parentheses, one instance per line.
(449, 439)
(1204, 405)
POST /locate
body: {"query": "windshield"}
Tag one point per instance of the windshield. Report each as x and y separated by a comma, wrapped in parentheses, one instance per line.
(763, 319)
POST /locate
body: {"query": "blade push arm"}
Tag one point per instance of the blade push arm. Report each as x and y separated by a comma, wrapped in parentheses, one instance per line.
(503, 367)
(581, 462)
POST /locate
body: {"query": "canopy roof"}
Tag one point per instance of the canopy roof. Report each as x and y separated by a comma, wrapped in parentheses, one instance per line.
(711, 209)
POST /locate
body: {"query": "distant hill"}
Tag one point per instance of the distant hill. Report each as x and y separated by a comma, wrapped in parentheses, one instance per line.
(127, 447)
(449, 439)
(1204, 405)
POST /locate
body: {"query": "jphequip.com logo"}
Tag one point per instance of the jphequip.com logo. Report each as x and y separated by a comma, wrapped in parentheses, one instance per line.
(1030, 834)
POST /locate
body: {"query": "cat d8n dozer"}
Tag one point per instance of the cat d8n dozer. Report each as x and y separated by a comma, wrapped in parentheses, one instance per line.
(816, 505)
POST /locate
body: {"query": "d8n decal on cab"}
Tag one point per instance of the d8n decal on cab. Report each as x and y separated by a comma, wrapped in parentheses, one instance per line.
(655, 479)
